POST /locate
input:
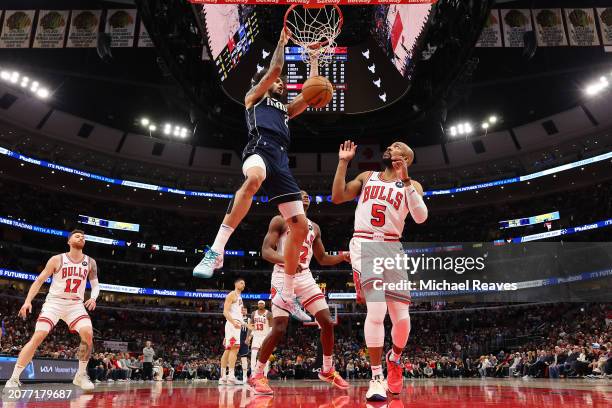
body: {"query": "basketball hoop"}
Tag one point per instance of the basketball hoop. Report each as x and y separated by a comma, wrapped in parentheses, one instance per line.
(314, 28)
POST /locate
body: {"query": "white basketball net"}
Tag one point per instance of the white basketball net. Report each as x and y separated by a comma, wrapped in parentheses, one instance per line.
(315, 31)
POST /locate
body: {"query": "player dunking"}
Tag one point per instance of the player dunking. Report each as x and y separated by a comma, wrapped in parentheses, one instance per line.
(232, 311)
(308, 293)
(64, 301)
(385, 200)
(266, 164)
(262, 323)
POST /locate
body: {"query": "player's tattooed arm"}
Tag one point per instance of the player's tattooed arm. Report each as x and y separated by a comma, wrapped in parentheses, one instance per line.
(318, 250)
(53, 264)
(269, 248)
(341, 190)
(299, 105)
(274, 71)
(90, 303)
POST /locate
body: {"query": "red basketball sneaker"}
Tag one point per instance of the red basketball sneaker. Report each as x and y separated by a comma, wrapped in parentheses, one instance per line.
(260, 384)
(334, 378)
(395, 377)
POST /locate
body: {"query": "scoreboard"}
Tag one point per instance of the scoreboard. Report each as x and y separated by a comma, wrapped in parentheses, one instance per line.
(298, 72)
(236, 46)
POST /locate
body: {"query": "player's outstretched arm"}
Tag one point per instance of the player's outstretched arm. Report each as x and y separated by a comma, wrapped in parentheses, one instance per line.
(274, 71)
(318, 250)
(52, 265)
(90, 304)
(341, 190)
(299, 105)
(270, 244)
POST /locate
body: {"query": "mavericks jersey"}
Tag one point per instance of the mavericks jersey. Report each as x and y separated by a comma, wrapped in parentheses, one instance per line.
(244, 330)
(260, 323)
(381, 210)
(305, 251)
(70, 279)
(268, 118)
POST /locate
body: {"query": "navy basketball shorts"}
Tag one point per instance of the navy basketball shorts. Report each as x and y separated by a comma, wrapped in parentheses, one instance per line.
(280, 185)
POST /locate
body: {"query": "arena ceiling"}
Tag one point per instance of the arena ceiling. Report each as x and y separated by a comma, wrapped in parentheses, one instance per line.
(119, 90)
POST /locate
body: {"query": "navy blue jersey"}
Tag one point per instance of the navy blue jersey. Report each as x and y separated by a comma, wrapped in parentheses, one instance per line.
(244, 330)
(268, 119)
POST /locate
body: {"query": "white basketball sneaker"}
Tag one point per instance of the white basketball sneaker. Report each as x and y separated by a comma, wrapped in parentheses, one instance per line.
(83, 381)
(12, 384)
(206, 268)
(291, 306)
(377, 390)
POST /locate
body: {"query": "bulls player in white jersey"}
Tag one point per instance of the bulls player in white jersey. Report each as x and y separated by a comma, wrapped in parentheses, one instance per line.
(385, 200)
(307, 293)
(232, 311)
(69, 273)
(262, 323)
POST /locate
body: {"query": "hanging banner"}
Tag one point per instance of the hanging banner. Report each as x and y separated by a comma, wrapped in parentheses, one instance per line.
(605, 22)
(491, 33)
(121, 25)
(550, 31)
(516, 23)
(144, 40)
(17, 28)
(84, 26)
(581, 27)
(51, 28)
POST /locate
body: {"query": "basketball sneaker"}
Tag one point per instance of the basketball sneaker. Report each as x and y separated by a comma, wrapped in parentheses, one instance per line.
(212, 260)
(222, 381)
(291, 306)
(395, 375)
(83, 381)
(377, 389)
(234, 381)
(12, 383)
(260, 385)
(334, 378)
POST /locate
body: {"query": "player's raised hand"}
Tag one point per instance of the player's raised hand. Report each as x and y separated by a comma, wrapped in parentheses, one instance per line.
(90, 304)
(401, 167)
(284, 36)
(25, 309)
(347, 151)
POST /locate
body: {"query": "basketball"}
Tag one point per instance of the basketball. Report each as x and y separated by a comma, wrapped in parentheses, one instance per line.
(317, 92)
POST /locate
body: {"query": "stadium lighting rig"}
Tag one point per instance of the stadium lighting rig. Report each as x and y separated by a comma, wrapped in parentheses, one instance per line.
(597, 87)
(466, 128)
(24, 82)
(168, 129)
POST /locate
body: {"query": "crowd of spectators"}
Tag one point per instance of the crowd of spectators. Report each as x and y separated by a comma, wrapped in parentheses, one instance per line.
(546, 340)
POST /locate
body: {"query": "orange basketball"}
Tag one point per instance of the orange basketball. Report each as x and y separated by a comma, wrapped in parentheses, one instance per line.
(317, 92)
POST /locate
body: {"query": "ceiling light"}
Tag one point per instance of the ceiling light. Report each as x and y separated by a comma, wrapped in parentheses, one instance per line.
(493, 119)
(152, 128)
(485, 125)
(42, 93)
(145, 122)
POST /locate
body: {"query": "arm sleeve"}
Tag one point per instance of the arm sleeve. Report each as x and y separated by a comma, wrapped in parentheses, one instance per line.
(416, 205)
(95, 289)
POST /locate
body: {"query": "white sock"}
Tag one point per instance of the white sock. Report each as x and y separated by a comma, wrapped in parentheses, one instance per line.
(266, 369)
(259, 368)
(288, 286)
(394, 357)
(82, 367)
(253, 360)
(377, 370)
(225, 232)
(327, 363)
(17, 372)
(231, 373)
